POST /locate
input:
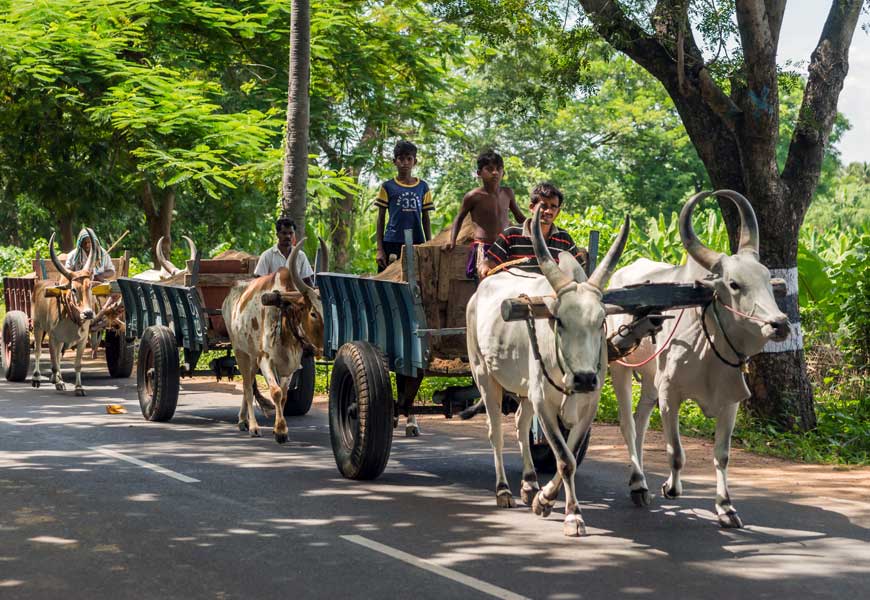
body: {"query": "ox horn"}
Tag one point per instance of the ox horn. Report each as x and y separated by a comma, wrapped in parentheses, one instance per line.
(57, 264)
(161, 260)
(601, 275)
(191, 246)
(558, 280)
(324, 254)
(748, 221)
(95, 249)
(300, 285)
(703, 255)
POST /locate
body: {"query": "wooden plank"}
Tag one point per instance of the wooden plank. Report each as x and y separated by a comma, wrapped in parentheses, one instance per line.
(223, 265)
(452, 267)
(218, 279)
(461, 291)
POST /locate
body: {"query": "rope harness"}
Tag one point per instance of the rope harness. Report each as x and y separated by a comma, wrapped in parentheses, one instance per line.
(742, 360)
(657, 352)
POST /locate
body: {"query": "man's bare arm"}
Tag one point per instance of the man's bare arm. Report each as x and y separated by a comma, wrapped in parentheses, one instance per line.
(467, 205)
(427, 226)
(381, 257)
(515, 210)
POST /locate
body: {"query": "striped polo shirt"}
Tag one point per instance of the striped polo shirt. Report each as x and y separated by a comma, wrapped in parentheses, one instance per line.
(515, 242)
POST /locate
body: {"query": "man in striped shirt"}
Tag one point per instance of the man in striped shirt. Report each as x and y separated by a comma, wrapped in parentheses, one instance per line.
(515, 242)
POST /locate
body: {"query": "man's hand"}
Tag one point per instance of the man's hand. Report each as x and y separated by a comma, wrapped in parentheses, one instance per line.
(381, 258)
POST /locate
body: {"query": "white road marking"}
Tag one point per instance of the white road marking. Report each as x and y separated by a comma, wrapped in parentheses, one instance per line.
(477, 584)
(147, 465)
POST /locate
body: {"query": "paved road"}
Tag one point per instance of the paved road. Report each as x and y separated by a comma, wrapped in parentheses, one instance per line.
(212, 513)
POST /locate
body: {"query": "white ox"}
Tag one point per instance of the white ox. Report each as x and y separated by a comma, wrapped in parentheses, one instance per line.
(167, 270)
(703, 359)
(64, 313)
(573, 356)
(272, 338)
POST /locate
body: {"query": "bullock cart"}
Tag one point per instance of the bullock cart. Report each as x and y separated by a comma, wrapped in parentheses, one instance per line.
(414, 327)
(17, 325)
(175, 323)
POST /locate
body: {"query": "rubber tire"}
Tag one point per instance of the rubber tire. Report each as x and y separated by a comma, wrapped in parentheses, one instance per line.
(362, 446)
(299, 400)
(119, 354)
(543, 457)
(158, 351)
(16, 339)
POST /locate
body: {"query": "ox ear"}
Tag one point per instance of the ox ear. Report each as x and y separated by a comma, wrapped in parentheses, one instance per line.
(570, 267)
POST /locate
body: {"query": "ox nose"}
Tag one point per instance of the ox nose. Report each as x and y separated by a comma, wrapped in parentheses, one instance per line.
(87, 314)
(781, 327)
(585, 382)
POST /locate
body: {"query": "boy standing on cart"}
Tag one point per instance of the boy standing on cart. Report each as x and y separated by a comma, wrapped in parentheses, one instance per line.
(408, 201)
(488, 206)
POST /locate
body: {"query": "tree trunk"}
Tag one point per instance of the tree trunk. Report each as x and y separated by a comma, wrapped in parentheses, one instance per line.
(67, 235)
(341, 221)
(158, 217)
(736, 135)
(295, 176)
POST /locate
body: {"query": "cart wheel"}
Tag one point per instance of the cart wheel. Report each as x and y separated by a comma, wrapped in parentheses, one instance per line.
(119, 354)
(157, 373)
(360, 411)
(299, 400)
(542, 455)
(16, 346)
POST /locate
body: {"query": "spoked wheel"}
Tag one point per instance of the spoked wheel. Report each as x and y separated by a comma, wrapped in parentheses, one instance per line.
(360, 411)
(543, 457)
(16, 346)
(157, 373)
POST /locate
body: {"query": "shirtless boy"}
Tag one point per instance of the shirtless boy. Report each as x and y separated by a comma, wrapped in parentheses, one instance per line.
(488, 205)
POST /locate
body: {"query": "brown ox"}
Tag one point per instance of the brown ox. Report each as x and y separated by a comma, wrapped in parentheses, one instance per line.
(64, 313)
(272, 338)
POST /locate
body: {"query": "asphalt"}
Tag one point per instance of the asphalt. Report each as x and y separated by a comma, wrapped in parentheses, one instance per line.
(229, 516)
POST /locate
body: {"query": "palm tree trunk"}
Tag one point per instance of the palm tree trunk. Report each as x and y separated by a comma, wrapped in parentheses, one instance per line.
(295, 178)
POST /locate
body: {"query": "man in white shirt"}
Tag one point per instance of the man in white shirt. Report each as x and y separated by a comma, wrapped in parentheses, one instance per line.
(276, 257)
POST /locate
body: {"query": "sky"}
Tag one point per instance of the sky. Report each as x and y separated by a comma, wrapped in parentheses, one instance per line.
(801, 28)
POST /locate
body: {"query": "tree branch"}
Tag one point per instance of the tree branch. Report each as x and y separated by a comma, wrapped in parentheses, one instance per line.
(829, 65)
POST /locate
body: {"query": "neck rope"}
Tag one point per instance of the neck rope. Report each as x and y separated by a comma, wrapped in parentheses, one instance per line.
(742, 360)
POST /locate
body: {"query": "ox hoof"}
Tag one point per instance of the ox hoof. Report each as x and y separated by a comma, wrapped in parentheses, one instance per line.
(574, 526)
(80, 392)
(411, 430)
(541, 506)
(504, 498)
(642, 497)
(60, 387)
(243, 426)
(528, 493)
(730, 520)
(281, 438)
(255, 432)
(668, 492)
(35, 383)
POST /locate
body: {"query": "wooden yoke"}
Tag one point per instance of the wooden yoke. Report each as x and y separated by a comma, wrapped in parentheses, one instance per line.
(525, 307)
(280, 298)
